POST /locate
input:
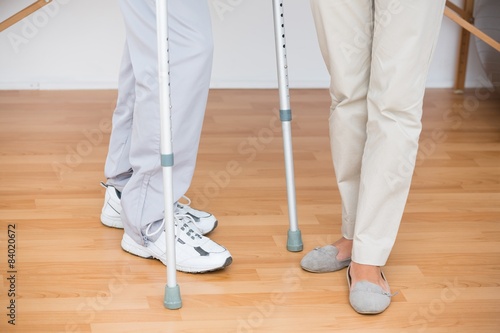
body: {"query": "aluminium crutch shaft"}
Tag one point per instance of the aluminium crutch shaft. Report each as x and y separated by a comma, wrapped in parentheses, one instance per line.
(294, 241)
(172, 298)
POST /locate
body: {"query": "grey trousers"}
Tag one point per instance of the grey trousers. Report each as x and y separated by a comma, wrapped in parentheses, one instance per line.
(378, 54)
(133, 161)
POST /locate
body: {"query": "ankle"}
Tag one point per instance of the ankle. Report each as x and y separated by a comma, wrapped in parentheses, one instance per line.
(373, 274)
(344, 247)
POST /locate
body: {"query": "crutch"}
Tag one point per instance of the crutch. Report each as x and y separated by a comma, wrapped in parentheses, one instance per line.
(294, 241)
(172, 298)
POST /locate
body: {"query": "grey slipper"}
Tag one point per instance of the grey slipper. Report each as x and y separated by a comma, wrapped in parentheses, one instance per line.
(368, 298)
(323, 260)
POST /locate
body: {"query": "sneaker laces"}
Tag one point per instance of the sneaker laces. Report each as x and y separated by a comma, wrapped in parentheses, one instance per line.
(186, 224)
(182, 222)
(184, 204)
(157, 231)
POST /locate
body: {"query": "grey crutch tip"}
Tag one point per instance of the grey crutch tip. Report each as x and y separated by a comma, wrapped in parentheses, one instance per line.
(294, 242)
(172, 299)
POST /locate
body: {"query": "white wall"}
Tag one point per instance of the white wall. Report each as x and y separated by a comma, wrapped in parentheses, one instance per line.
(77, 44)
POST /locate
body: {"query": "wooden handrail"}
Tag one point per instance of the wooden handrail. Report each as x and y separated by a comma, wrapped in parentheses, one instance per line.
(457, 18)
(464, 14)
(23, 13)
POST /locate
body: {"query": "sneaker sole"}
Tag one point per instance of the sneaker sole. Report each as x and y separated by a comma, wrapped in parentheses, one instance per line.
(194, 270)
(130, 246)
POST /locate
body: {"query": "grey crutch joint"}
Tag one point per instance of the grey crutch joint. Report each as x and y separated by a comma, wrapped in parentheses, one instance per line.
(286, 115)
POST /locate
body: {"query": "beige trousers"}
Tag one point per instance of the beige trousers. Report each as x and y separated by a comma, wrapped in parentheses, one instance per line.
(378, 54)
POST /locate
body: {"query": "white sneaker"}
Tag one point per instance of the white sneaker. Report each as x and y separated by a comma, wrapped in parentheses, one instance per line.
(194, 253)
(110, 214)
(205, 222)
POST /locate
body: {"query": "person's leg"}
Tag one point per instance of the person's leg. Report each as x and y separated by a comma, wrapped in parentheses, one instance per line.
(190, 61)
(142, 197)
(344, 31)
(117, 169)
(191, 55)
(405, 34)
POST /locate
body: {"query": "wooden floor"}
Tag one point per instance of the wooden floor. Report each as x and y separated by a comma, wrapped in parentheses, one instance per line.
(72, 276)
